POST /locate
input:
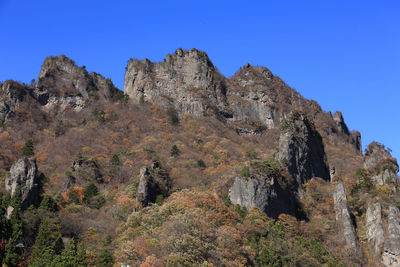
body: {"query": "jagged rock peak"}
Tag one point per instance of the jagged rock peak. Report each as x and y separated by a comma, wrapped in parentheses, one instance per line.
(61, 81)
(23, 177)
(186, 80)
(338, 118)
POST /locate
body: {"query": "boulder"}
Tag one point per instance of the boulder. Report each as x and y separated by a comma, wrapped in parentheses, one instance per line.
(23, 177)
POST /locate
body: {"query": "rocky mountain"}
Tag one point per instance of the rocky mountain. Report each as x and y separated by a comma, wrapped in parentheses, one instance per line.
(187, 167)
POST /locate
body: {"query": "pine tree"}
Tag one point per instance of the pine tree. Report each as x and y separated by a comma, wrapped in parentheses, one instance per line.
(28, 150)
(48, 243)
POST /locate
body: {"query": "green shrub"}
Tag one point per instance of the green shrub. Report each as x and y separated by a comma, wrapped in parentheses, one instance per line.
(201, 164)
(89, 191)
(28, 150)
(173, 116)
(245, 171)
(269, 167)
(115, 160)
(175, 151)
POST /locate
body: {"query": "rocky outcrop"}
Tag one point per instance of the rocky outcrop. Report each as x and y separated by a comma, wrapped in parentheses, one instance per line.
(85, 169)
(153, 182)
(343, 218)
(61, 83)
(264, 193)
(301, 148)
(381, 164)
(188, 81)
(23, 177)
(392, 246)
(11, 94)
(375, 232)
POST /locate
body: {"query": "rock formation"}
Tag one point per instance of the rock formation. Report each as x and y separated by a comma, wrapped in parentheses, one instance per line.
(62, 83)
(11, 94)
(264, 193)
(375, 232)
(23, 177)
(343, 218)
(381, 164)
(391, 255)
(153, 182)
(188, 81)
(301, 147)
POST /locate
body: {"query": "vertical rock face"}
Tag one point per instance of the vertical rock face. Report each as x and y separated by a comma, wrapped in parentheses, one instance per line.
(23, 176)
(338, 118)
(301, 147)
(375, 232)
(187, 80)
(393, 244)
(264, 193)
(153, 182)
(62, 83)
(343, 218)
(11, 94)
(380, 162)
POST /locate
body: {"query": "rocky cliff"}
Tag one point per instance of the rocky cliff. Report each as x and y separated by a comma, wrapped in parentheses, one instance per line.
(189, 82)
(23, 177)
(301, 148)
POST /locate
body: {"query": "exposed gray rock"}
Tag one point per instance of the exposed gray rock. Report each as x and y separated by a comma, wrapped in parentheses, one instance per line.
(343, 218)
(188, 81)
(264, 193)
(11, 94)
(23, 177)
(381, 164)
(393, 244)
(338, 118)
(301, 147)
(152, 182)
(61, 83)
(375, 232)
(390, 260)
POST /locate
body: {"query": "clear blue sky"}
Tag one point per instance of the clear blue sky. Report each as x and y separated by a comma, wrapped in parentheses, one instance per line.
(344, 54)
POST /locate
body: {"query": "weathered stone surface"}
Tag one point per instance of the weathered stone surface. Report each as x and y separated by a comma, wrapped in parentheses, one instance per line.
(338, 118)
(264, 193)
(152, 182)
(23, 177)
(381, 164)
(61, 83)
(343, 218)
(188, 81)
(301, 147)
(375, 232)
(393, 244)
(11, 94)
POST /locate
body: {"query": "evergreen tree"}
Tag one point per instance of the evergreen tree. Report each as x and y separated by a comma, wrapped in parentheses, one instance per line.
(48, 243)
(48, 203)
(175, 151)
(28, 150)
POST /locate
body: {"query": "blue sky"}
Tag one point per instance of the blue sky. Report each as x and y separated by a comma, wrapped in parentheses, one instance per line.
(344, 54)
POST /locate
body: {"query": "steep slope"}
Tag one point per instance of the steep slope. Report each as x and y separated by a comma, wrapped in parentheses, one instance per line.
(241, 170)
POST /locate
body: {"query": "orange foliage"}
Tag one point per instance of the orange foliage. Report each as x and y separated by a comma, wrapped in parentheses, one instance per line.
(18, 146)
(152, 261)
